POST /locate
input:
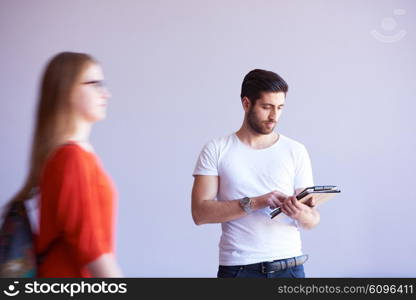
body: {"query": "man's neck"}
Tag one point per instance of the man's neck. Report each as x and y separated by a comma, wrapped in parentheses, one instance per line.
(256, 140)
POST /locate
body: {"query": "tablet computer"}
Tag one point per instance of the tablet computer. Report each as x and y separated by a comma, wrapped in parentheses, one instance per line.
(321, 193)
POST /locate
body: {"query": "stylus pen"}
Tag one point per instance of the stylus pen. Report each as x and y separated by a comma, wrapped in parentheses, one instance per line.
(275, 212)
(278, 210)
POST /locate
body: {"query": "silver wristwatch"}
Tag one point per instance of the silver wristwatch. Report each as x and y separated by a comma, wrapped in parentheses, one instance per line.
(245, 204)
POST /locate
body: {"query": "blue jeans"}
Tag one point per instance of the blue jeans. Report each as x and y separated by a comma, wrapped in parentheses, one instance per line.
(241, 272)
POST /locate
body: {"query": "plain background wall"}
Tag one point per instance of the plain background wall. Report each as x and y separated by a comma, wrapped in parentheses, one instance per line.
(175, 68)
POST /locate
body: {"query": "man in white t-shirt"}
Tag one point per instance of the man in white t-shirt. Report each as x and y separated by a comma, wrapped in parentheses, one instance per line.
(240, 178)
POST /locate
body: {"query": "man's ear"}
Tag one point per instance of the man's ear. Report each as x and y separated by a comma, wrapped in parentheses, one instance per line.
(246, 104)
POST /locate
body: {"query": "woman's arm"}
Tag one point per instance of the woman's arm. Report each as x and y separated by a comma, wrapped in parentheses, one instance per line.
(104, 266)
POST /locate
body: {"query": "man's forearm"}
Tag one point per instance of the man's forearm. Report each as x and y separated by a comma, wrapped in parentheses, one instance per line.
(214, 211)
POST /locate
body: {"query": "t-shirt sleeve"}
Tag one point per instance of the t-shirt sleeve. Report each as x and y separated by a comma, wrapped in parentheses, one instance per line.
(303, 169)
(207, 163)
(72, 196)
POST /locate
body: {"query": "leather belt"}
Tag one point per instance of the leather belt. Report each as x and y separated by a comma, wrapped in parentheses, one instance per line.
(277, 265)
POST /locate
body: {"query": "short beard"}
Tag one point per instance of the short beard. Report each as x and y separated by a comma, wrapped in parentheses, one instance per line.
(255, 125)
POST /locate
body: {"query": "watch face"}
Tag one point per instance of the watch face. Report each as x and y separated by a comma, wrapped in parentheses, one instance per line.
(245, 204)
(246, 200)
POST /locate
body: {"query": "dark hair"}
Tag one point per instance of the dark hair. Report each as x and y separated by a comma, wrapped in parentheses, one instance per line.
(258, 81)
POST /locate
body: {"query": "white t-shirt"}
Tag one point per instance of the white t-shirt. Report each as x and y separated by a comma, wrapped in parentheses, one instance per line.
(247, 172)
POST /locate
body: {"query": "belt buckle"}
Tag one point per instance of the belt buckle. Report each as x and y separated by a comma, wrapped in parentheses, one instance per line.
(264, 269)
(282, 264)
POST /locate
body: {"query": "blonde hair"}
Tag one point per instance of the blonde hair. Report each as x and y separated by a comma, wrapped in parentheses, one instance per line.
(54, 116)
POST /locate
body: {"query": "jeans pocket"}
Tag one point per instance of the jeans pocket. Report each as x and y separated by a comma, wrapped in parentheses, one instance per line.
(297, 272)
(228, 271)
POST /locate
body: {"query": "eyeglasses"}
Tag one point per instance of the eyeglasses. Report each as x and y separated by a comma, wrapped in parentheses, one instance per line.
(98, 84)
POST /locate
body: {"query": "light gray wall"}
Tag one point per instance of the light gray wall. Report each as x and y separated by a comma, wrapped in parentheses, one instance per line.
(175, 70)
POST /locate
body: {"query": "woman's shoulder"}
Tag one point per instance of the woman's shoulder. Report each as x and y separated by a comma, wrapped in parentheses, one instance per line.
(69, 154)
(69, 150)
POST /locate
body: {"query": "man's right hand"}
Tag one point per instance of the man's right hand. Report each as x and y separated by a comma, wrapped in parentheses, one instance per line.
(273, 200)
